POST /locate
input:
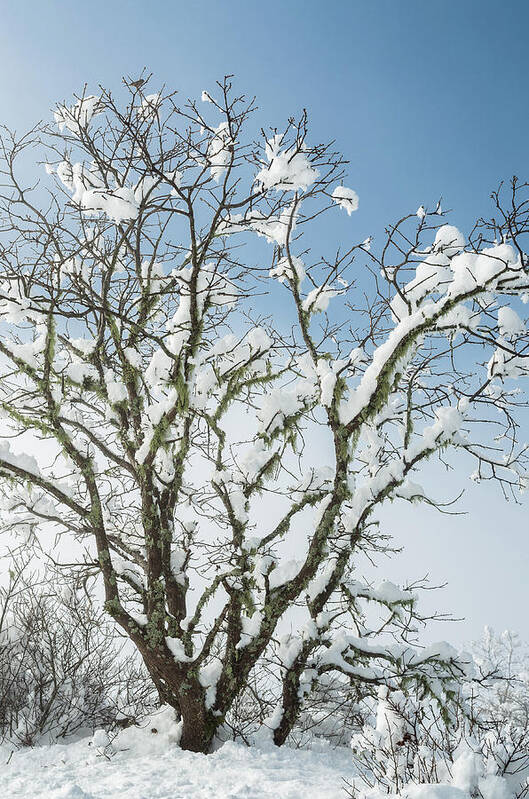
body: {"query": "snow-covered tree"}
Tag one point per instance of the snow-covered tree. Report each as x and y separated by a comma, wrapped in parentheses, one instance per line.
(483, 750)
(208, 403)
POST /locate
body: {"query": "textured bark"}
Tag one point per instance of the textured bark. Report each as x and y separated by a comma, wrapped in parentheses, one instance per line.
(198, 726)
(183, 692)
(291, 703)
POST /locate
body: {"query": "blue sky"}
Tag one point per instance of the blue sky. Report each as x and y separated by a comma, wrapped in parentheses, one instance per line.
(425, 100)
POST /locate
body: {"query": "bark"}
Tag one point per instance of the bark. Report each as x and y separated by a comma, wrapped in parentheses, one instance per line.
(186, 695)
(291, 700)
(198, 725)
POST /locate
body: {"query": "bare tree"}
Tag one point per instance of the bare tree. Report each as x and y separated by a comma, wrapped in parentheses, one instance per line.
(62, 667)
(187, 415)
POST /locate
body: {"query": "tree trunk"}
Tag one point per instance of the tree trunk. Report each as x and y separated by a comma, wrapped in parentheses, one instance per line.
(198, 725)
(184, 693)
(291, 705)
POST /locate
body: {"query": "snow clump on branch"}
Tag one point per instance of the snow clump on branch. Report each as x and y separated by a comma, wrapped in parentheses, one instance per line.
(287, 170)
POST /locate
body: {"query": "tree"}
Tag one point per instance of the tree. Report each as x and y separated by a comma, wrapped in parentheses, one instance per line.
(183, 418)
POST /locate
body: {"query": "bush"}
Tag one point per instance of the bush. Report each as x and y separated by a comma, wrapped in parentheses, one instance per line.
(479, 745)
(62, 669)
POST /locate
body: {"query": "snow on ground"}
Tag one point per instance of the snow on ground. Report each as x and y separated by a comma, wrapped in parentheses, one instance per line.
(140, 764)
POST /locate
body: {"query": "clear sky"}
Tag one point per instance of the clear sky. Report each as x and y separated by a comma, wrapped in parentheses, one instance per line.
(425, 99)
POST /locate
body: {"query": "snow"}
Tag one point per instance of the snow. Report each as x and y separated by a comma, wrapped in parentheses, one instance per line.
(287, 170)
(91, 195)
(175, 179)
(410, 490)
(327, 378)
(447, 424)
(158, 368)
(100, 739)
(253, 460)
(482, 270)
(29, 351)
(259, 340)
(440, 791)
(503, 365)
(346, 199)
(209, 677)
(177, 649)
(317, 300)
(78, 371)
(144, 186)
(468, 779)
(84, 345)
(295, 272)
(278, 405)
(64, 173)
(321, 580)
(390, 593)
(149, 107)
(219, 151)
(78, 116)
(131, 570)
(509, 322)
(20, 461)
(360, 397)
(205, 382)
(133, 357)
(146, 763)
(119, 205)
(285, 572)
(467, 771)
(251, 626)
(14, 309)
(117, 391)
(449, 240)
(274, 228)
(152, 275)
(389, 724)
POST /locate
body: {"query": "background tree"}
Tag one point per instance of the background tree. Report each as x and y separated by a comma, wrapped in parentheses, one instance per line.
(185, 424)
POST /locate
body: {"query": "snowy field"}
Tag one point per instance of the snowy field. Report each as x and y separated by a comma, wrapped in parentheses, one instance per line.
(144, 765)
